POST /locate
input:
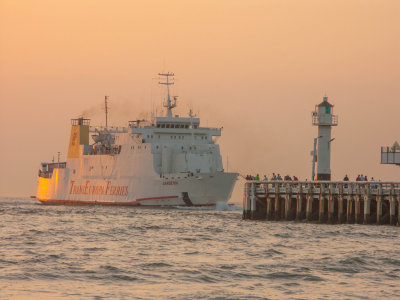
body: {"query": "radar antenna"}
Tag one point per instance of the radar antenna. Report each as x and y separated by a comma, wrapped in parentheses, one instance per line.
(169, 105)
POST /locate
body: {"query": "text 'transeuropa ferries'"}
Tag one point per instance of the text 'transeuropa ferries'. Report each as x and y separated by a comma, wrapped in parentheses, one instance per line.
(169, 160)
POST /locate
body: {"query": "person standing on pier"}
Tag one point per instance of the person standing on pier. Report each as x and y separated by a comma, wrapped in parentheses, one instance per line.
(374, 186)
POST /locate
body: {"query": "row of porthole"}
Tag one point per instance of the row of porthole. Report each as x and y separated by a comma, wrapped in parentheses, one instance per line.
(145, 147)
(189, 174)
(174, 126)
(183, 137)
(91, 168)
(190, 148)
(180, 137)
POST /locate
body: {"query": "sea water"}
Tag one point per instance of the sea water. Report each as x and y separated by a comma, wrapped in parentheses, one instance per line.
(95, 252)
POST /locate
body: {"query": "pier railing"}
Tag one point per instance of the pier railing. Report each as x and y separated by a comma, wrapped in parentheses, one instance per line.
(323, 201)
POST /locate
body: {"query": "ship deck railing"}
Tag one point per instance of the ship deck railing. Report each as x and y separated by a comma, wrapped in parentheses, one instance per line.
(110, 129)
(50, 167)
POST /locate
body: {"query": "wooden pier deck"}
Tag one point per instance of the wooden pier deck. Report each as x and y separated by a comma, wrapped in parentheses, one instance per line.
(332, 202)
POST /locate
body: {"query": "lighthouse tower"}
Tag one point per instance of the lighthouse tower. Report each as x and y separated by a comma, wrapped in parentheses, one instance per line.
(323, 117)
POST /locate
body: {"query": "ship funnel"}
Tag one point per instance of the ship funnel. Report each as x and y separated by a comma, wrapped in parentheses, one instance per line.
(79, 136)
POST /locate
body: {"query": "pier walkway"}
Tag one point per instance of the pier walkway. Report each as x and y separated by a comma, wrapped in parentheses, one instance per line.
(323, 201)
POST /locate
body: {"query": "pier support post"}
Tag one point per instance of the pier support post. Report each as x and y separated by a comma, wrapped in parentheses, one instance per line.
(277, 212)
(309, 203)
(357, 208)
(350, 212)
(288, 203)
(367, 205)
(331, 205)
(350, 216)
(398, 209)
(379, 209)
(253, 201)
(277, 208)
(322, 218)
(379, 199)
(299, 204)
(340, 205)
(392, 212)
(392, 204)
(246, 201)
(270, 208)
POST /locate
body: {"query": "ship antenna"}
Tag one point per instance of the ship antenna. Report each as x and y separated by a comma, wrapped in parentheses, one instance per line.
(106, 108)
(169, 105)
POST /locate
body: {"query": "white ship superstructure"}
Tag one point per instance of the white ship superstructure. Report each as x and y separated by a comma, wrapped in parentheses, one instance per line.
(170, 160)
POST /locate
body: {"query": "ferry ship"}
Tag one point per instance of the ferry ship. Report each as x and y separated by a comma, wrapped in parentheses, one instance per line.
(167, 161)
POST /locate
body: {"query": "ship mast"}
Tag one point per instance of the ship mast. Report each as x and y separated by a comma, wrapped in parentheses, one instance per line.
(169, 105)
(106, 108)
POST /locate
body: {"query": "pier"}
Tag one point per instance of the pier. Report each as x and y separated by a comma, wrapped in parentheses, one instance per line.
(332, 202)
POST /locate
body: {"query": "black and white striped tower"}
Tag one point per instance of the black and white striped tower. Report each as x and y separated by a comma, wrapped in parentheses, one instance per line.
(323, 117)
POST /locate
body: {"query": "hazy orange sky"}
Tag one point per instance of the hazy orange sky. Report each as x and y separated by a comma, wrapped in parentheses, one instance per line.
(257, 68)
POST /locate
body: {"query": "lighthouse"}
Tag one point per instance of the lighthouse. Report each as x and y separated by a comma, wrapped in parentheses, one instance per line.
(324, 118)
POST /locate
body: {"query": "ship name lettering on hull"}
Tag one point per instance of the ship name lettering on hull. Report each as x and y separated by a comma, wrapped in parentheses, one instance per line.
(107, 189)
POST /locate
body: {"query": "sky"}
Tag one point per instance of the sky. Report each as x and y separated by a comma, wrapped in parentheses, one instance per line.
(257, 68)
